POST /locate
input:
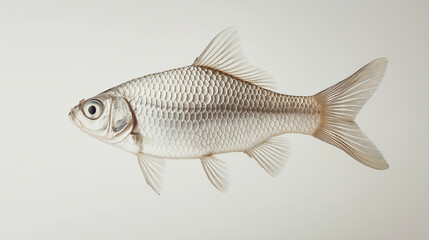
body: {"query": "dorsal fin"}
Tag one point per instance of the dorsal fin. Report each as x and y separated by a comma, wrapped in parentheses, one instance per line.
(224, 54)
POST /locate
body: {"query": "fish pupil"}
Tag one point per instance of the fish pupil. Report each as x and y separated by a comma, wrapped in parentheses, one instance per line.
(92, 110)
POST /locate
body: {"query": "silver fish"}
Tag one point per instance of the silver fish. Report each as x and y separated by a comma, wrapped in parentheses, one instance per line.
(222, 104)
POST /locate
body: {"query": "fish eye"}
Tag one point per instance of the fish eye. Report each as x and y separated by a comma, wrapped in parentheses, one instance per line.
(93, 109)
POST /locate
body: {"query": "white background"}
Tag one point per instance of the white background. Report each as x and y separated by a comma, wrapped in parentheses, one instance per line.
(58, 183)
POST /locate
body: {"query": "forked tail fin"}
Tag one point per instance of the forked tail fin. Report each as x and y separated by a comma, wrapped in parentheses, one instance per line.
(340, 105)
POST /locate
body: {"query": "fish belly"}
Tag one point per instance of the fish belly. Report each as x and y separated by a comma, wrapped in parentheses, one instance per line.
(193, 111)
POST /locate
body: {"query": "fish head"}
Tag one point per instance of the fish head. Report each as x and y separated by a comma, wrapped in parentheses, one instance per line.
(106, 116)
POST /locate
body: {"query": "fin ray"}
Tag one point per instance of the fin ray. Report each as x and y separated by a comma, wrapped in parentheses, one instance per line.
(224, 54)
(152, 169)
(341, 103)
(271, 155)
(216, 172)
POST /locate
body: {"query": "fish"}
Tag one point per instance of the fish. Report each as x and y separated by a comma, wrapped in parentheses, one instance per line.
(220, 104)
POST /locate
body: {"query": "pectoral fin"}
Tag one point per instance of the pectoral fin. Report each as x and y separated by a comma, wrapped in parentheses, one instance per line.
(216, 171)
(152, 169)
(271, 154)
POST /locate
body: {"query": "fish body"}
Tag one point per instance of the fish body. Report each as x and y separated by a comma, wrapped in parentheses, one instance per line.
(194, 111)
(222, 104)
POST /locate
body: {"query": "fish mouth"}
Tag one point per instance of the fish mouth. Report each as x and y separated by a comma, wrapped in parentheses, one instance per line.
(72, 116)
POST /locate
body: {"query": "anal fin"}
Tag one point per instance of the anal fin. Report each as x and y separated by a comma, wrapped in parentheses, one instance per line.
(271, 154)
(216, 171)
(152, 169)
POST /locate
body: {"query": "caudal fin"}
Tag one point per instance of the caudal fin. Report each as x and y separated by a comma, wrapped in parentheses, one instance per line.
(341, 103)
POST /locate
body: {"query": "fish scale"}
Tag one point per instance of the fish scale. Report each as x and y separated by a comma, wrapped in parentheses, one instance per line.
(194, 111)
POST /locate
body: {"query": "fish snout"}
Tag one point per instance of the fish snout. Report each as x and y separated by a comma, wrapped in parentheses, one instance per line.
(71, 114)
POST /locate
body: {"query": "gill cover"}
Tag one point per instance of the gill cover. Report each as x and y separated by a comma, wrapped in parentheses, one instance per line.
(121, 115)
